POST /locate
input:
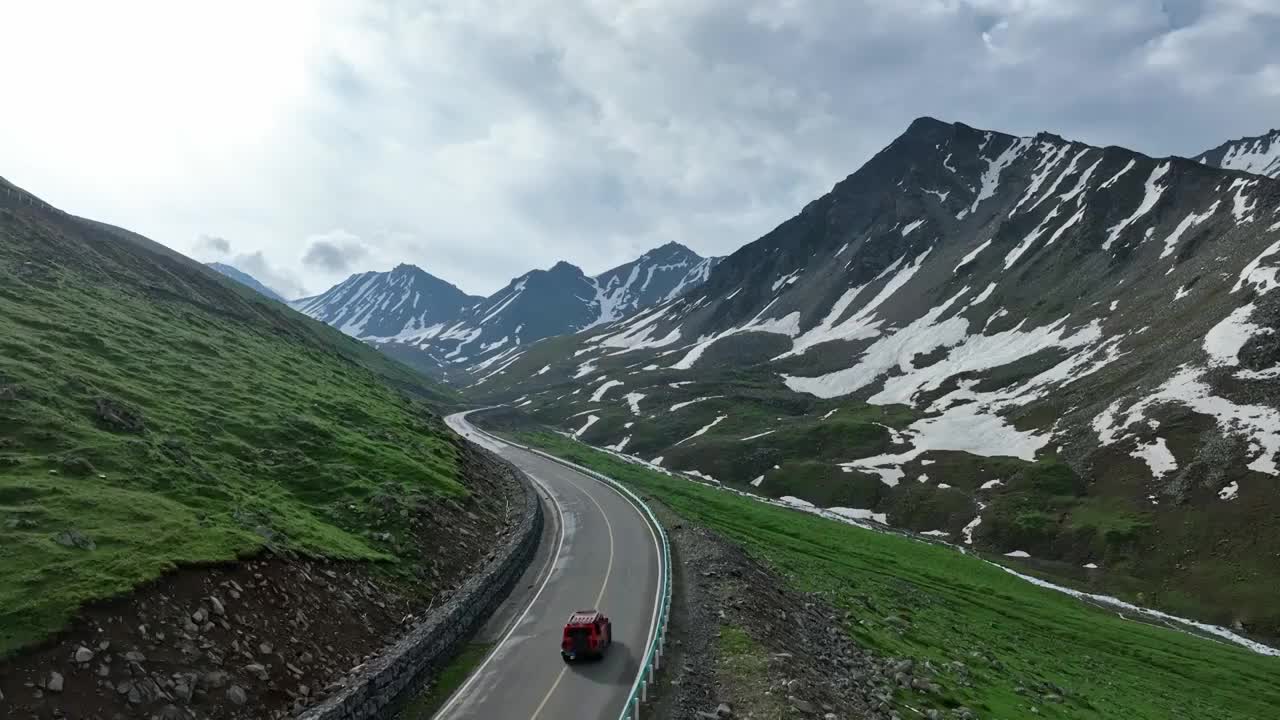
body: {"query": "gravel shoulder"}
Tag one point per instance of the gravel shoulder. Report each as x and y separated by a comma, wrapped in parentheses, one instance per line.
(746, 645)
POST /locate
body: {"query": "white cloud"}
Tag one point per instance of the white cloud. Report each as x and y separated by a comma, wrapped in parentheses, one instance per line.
(479, 139)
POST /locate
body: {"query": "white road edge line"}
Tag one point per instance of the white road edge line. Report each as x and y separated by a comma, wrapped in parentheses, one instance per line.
(657, 595)
(551, 564)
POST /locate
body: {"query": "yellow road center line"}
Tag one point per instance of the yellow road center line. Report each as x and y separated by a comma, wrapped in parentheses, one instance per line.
(607, 573)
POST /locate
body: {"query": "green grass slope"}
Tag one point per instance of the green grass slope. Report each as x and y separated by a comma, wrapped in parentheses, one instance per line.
(154, 414)
(1017, 642)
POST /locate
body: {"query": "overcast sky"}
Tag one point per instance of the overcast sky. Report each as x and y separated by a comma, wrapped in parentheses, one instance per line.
(304, 141)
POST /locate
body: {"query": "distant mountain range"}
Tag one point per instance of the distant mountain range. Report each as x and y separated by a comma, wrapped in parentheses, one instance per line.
(432, 325)
(246, 279)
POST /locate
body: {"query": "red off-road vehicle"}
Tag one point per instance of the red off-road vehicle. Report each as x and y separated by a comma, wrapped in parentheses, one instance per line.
(587, 634)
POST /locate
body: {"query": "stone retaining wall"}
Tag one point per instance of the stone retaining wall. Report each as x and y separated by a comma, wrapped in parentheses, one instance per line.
(437, 638)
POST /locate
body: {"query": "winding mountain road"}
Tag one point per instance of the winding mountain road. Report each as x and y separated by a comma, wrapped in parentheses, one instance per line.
(603, 553)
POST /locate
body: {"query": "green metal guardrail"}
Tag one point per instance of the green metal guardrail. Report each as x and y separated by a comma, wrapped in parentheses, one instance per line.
(653, 654)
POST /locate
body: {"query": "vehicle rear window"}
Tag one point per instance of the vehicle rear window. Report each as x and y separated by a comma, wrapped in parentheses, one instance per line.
(578, 633)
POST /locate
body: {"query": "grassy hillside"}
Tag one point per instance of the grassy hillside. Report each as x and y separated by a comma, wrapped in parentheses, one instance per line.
(153, 413)
(1016, 641)
(1187, 553)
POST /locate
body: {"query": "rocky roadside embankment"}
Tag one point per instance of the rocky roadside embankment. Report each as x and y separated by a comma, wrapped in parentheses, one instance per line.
(798, 662)
(264, 638)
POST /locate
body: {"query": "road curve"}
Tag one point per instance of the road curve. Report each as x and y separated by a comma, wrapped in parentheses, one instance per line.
(606, 555)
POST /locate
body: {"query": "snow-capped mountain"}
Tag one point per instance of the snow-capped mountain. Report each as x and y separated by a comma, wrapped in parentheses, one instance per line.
(657, 276)
(385, 306)
(436, 327)
(245, 279)
(1258, 155)
(1014, 342)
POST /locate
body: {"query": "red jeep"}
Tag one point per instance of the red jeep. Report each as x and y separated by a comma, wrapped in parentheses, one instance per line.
(587, 634)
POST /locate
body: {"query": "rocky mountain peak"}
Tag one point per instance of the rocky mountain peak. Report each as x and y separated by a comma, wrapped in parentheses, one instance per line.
(564, 268)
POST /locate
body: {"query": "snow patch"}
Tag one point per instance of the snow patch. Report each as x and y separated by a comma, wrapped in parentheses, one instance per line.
(967, 530)
(785, 280)
(1258, 424)
(591, 420)
(982, 296)
(1149, 199)
(701, 475)
(1240, 209)
(860, 325)
(972, 255)
(991, 177)
(1158, 457)
(1112, 181)
(860, 514)
(585, 369)
(687, 403)
(633, 399)
(1264, 280)
(788, 325)
(1189, 222)
(701, 431)
(1225, 340)
(1260, 157)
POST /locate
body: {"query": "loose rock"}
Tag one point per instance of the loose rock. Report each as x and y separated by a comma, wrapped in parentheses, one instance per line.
(215, 680)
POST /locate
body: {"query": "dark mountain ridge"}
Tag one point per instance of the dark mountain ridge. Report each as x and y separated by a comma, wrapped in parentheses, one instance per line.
(245, 279)
(1027, 344)
(1259, 155)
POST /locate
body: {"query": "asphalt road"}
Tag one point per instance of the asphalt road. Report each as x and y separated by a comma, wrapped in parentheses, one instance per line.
(605, 555)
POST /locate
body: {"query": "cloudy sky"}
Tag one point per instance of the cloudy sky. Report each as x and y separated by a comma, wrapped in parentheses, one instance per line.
(478, 139)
